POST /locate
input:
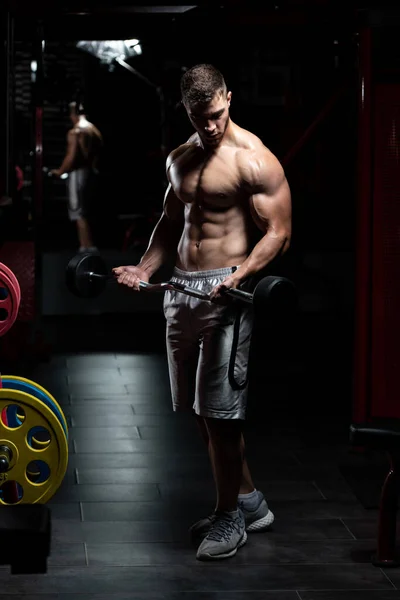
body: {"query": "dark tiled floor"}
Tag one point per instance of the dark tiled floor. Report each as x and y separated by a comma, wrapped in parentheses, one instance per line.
(138, 476)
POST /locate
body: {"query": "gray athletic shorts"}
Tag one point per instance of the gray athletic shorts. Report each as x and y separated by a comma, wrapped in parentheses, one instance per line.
(80, 191)
(208, 348)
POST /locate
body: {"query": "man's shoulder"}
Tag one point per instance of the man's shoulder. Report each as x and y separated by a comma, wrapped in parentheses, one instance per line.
(255, 160)
(252, 148)
(249, 143)
(179, 151)
(78, 131)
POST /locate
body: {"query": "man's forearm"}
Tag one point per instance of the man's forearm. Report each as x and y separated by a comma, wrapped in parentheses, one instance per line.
(268, 248)
(162, 246)
(66, 166)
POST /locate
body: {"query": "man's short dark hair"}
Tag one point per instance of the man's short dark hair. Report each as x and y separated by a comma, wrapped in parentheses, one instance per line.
(201, 83)
(76, 107)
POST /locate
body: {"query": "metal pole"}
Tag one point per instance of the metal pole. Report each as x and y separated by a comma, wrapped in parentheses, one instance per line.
(319, 119)
(38, 47)
(362, 330)
(37, 170)
(160, 93)
(9, 103)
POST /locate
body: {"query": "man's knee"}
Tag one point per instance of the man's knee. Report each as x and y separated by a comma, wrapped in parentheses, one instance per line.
(203, 428)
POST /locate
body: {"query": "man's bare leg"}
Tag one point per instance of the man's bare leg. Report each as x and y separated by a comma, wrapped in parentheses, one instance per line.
(84, 233)
(246, 483)
(227, 455)
(233, 482)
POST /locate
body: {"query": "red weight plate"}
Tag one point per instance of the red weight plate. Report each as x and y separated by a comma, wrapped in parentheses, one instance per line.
(13, 278)
(12, 281)
(20, 258)
(11, 284)
(8, 308)
(9, 304)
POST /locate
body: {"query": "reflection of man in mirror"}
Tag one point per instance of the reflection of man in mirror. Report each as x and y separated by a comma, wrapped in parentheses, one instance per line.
(84, 144)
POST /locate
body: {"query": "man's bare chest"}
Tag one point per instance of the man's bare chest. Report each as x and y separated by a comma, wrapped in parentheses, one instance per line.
(216, 183)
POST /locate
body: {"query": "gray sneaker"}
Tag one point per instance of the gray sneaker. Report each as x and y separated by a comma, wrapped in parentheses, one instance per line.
(227, 534)
(257, 520)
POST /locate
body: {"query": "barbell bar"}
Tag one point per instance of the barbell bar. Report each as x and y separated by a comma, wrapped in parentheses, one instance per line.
(48, 173)
(87, 277)
(178, 287)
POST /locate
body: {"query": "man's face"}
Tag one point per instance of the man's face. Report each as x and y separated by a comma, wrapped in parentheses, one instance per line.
(211, 120)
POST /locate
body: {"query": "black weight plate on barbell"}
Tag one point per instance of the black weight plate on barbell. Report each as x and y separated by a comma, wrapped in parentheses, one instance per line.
(274, 297)
(77, 279)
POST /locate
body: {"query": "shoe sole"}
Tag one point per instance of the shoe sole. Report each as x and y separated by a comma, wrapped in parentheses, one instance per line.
(241, 543)
(261, 524)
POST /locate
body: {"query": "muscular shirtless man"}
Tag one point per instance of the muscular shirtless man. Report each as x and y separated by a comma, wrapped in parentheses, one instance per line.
(84, 143)
(221, 182)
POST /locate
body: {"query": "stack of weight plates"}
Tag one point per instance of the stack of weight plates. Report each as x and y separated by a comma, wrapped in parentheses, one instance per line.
(34, 433)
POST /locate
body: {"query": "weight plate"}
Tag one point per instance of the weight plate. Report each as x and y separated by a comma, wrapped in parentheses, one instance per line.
(274, 297)
(51, 458)
(13, 277)
(5, 294)
(10, 296)
(31, 387)
(12, 283)
(77, 276)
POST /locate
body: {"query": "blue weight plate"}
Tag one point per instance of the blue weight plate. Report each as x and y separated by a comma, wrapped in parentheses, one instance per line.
(29, 388)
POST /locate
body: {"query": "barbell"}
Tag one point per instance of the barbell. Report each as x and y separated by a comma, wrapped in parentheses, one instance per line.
(87, 277)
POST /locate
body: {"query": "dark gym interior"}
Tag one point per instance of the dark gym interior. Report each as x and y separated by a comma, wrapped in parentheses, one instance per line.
(319, 83)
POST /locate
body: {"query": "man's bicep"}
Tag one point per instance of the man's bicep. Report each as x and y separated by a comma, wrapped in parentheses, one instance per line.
(271, 206)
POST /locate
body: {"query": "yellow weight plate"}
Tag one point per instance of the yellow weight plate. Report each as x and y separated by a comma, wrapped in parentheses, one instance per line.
(54, 454)
(29, 382)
